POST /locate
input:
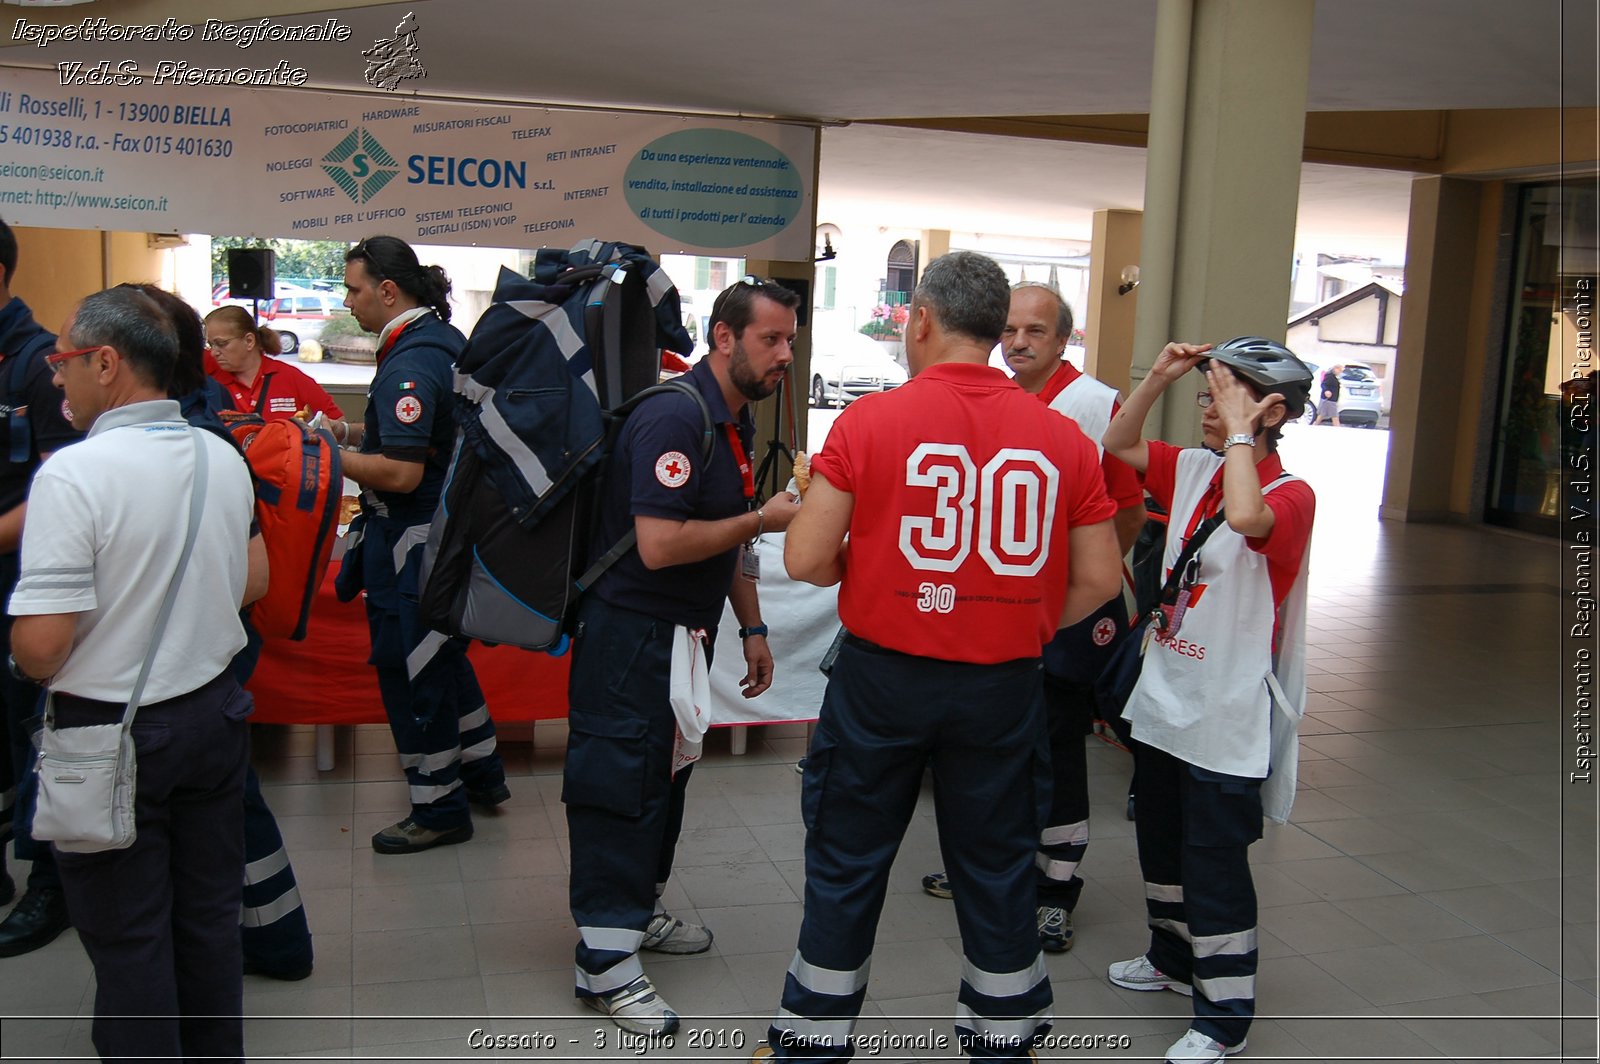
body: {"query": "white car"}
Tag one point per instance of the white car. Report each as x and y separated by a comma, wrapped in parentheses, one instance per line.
(846, 366)
(1360, 395)
(302, 316)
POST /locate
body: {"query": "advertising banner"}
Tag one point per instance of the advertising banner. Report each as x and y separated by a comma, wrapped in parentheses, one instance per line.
(284, 162)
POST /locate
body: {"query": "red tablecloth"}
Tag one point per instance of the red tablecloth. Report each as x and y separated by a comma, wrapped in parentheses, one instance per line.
(326, 679)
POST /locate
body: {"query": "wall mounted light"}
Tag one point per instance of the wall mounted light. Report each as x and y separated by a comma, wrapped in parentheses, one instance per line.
(828, 254)
(1130, 280)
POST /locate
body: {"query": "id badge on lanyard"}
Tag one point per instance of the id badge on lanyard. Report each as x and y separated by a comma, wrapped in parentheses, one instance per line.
(749, 559)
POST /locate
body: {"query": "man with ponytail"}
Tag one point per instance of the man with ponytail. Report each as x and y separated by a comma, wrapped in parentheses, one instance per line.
(399, 457)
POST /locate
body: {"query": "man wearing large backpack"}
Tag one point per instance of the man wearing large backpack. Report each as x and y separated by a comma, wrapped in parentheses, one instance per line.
(399, 456)
(624, 784)
(35, 425)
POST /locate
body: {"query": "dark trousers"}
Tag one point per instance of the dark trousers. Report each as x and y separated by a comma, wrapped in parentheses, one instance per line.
(431, 696)
(885, 718)
(272, 924)
(624, 805)
(1194, 831)
(1069, 713)
(160, 919)
(20, 703)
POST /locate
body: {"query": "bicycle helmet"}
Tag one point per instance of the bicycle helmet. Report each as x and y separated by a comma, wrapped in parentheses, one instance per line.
(1268, 366)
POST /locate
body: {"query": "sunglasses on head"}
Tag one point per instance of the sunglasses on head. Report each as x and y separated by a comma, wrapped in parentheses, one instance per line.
(749, 280)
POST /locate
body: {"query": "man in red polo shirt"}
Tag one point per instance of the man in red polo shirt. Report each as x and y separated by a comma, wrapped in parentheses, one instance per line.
(963, 499)
(1034, 344)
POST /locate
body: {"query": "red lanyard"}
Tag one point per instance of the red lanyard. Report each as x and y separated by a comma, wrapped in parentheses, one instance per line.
(393, 337)
(1206, 506)
(745, 471)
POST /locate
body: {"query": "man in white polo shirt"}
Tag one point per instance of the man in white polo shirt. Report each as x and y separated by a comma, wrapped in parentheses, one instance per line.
(107, 521)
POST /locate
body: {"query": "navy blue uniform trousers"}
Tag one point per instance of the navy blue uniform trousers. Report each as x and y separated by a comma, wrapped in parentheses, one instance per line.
(1069, 712)
(272, 924)
(431, 696)
(624, 805)
(160, 919)
(885, 718)
(22, 705)
(1194, 829)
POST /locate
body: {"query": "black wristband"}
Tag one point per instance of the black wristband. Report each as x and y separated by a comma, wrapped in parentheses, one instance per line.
(755, 629)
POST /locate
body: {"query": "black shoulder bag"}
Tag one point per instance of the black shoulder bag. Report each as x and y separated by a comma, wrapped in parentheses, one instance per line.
(1116, 681)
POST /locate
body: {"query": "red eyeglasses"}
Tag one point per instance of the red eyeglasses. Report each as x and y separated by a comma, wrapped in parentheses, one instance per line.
(55, 360)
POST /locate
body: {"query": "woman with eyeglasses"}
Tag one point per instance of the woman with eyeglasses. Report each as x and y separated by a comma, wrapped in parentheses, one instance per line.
(1216, 709)
(255, 383)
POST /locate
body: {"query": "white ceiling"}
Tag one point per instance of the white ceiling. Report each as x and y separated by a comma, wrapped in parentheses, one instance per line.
(847, 60)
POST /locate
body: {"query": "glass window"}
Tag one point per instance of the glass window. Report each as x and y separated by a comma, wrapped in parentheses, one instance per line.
(1549, 369)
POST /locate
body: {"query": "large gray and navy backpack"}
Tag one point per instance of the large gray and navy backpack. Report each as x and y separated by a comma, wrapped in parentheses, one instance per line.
(551, 370)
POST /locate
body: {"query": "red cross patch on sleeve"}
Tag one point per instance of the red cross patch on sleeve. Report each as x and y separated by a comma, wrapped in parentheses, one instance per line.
(672, 469)
(408, 409)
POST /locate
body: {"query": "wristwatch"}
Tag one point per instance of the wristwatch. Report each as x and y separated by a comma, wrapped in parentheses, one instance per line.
(754, 629)
(16, 670)
(1239, 437)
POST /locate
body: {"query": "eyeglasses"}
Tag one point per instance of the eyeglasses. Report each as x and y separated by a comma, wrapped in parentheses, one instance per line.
(221, 342)
(54, 361)
(1202, 400)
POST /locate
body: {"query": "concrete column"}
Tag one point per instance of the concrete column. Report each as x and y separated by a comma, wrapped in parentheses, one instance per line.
(771, 424)
(1437, 357)
(1227, 125)
(1108, 321)
(935, 242)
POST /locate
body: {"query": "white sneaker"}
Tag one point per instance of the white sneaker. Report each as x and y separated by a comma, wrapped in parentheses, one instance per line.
(1140, 974)
(1197, 1048)
(666, 933)
(636, 1007)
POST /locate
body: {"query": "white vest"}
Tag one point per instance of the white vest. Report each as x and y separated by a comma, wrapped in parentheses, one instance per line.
(1204, 696)
(1088, 402)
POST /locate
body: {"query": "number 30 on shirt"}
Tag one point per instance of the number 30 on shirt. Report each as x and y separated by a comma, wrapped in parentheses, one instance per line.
(1008, 507)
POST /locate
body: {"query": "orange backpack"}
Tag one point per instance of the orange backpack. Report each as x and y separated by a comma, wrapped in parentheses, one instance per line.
(298, 488)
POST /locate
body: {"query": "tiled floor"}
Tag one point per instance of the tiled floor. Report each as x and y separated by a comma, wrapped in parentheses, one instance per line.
(1433, 899)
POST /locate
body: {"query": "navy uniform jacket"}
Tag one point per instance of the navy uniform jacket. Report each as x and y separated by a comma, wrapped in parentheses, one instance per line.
(655, 471)
(411, 412)
(32, 421)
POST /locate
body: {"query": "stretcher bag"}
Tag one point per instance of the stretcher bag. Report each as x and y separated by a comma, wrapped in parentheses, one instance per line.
(299, 483)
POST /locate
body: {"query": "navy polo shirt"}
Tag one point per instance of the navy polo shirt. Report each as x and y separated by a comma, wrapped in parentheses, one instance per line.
(34, 409)
(411, 411)
(656, 470)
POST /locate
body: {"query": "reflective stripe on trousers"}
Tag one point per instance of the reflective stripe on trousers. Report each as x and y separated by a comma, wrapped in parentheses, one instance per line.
(886, 717)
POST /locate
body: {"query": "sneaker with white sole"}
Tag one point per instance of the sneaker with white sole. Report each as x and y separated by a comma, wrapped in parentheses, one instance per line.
(1140, 974)
(636, 1007)
(1055, 929)
(1196, 1047)
(937, 884)
(666, 933)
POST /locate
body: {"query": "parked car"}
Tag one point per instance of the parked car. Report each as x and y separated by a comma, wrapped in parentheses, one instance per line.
(302, 317)
(220, 297)
(846, 366)
(1360, 395)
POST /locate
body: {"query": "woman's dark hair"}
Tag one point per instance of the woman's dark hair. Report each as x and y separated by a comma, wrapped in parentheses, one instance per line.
(235, 315)
(388, 258)
(189, 375)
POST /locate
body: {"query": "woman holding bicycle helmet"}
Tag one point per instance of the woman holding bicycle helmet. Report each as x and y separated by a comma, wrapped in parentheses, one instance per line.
(1215, 712)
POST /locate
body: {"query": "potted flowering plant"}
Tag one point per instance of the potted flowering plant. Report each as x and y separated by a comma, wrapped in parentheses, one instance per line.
(888, 323)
